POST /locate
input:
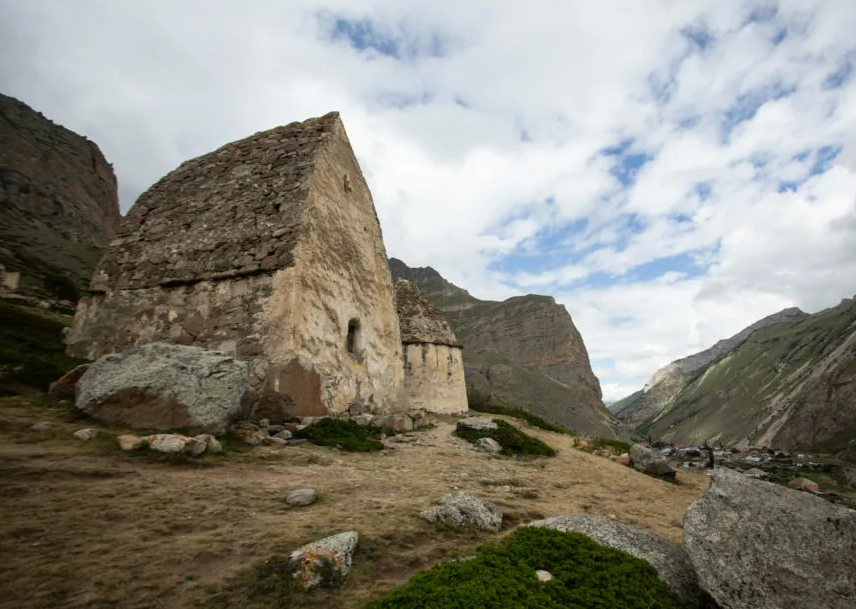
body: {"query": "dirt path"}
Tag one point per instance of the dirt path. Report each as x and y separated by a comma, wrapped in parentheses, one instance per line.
(84, 526)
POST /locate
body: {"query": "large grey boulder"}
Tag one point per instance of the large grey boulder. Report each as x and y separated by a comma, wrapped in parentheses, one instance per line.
(667, 557)
(161, 386)
(461, 509)
(759, 545)
(476, 424)
(651, 462)
(329, 557)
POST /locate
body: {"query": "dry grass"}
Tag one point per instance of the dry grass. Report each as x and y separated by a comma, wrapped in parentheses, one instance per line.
(87, 526)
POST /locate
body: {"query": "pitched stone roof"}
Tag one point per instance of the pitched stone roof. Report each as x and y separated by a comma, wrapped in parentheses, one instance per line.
(420, 321)
(235, 211)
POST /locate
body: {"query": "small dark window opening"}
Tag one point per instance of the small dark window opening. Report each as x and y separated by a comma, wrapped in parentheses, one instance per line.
(353, 336)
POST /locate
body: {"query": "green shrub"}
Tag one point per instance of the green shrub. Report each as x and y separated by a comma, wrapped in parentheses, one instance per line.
(512, 440)
(484, 402)
(502, 576)
(31, 349)
(343, 434)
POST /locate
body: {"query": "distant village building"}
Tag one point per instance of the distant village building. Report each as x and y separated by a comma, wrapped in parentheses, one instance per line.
(268, 249)
(433, 358)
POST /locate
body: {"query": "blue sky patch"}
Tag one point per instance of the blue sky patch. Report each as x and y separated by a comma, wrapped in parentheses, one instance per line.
(747, 105)
(840, 76)
(365, 35)
(627, 162)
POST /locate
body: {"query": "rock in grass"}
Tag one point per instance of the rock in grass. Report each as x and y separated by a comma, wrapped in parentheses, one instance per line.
(211, 443)
(488, 445)
(759, 545)
(804, 484)
(461, 510)
(129, 442)
(168, 443)
(195, 446)
(301, 497)
(247, 436)
(476, 424)
(326, 561)
(86, 434)
(543, 576)
(283, 435)
(651, 462)
(41, 426)
(667, 557)
(162, 386)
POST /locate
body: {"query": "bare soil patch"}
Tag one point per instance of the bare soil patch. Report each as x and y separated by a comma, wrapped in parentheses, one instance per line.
(85, 525)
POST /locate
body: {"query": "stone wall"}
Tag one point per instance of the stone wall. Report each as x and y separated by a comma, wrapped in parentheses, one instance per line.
(341, 274)
(434, 378)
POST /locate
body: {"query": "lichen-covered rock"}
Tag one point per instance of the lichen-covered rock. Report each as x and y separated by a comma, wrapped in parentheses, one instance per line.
(476, 424)
(162, 386)
(759, 545)
(488, 445)
(168, 442)
(667, 557)
(211, 443)
(651, 462)
(247, 436)
(461, 510)
(329, 557)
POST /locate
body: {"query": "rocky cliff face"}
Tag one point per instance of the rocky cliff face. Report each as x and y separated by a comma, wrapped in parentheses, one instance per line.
(59, 207)
(524, 351)
(789, 384)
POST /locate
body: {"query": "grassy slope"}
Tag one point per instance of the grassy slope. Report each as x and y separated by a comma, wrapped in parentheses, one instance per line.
(730, 396)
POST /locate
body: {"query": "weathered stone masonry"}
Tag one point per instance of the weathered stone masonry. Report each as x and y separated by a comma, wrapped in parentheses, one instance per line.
(433, 358)
(270, 249)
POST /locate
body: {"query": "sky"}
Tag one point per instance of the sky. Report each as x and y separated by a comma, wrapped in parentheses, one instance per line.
(669, 170)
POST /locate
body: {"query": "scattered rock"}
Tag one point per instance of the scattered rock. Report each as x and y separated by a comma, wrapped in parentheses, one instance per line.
(651, 462)
(66, 385)
(488, 445)
(395, 422)
(253, 438)
(755, 473)
(331, 555)
(165, 386)
(476, 424)
(283, 435)
(168, 442)
(274, 441)
(760, 545)
(667, 557)
(301, 497)
(212, 445)
(129, 442)
(804, 484)
(297, 441)
(264, 423)
(460, 509)
(624, 459)
(543, 576)
(245, 425)
(86, 434)
(364, 419)
(275, 429)
(41, 426)
(195, 446)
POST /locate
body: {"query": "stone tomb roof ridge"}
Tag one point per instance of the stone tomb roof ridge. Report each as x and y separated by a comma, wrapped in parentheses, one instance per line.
(233, 212)
(420, 321)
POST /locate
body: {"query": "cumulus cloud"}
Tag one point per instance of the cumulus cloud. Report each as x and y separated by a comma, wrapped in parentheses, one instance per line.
(670, 171)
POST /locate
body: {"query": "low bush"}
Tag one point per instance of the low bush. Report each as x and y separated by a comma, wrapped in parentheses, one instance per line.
(502, 576)
(512, 440)
(485, 402)
(31, 348)
(342, 433)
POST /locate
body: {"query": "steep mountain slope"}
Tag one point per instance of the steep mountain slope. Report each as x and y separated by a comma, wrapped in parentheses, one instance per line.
(790, 384)
(670, 380)
(525, 351)
(59, 207)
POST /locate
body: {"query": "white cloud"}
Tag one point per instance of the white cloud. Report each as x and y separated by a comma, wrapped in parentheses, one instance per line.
(483, 140)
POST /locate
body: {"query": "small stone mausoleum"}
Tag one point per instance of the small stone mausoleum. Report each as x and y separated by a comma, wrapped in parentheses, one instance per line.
(268, 249)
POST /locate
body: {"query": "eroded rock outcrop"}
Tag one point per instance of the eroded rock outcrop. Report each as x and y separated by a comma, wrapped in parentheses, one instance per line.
(759, 545)
(59, 205)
